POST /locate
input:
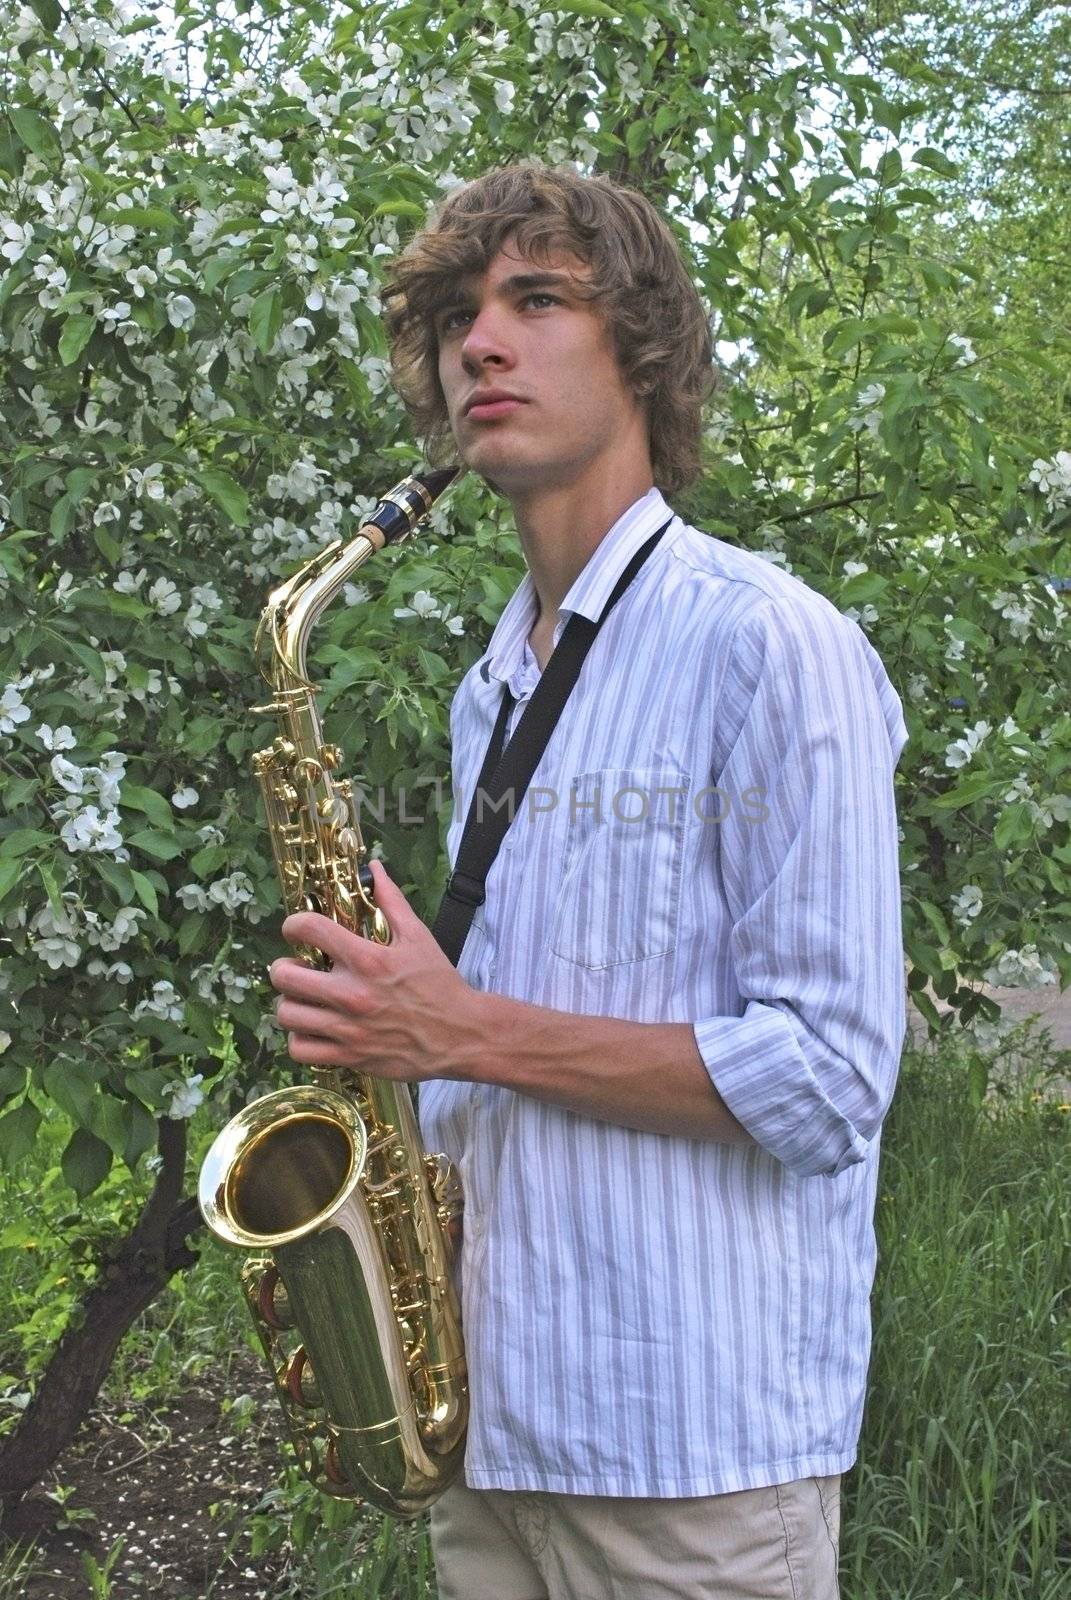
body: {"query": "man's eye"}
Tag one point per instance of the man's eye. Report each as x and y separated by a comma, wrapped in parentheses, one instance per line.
(452, 320)
(540, 294)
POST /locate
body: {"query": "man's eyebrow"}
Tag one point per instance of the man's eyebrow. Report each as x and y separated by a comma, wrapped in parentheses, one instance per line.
(458, 296)
(535, 280)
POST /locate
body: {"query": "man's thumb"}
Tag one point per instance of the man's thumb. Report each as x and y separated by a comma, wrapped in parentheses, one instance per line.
(391, 901)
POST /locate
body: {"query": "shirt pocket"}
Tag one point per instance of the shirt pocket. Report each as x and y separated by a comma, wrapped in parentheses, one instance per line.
(620, 896)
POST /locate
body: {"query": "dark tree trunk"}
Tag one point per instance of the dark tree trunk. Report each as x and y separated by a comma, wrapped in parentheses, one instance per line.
(145, 1260)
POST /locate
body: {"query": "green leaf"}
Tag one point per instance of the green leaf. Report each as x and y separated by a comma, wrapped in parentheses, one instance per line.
(12, 1080)
(52, 888)
(35, 131)
(85, 1162)
(160, 845)
(936, 921)
(111, 550)
(977, 787)
(72, 1085)
(828, 184)
(192, 932)
(1015, 822)
(140, 1133)
(977, 1080)
(20, 841)
(266, 318)
(110, 1121)
(639, 132)
(18, 1130)
(48, 13)
(227, 493)
(586, 8)
(117, 876)
(936, 161)
(397, 207)
(155, 807)
(146, 892)
(890, 166)
(77, 332)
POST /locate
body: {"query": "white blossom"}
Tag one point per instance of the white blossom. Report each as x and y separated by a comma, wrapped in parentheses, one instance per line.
(68, 774)
(57, 951)
(164, 597)
(181, 311)
(185, 1097)
(149, 484)
(1022, 969)
(867, 413)
(17, 237)
(872, 395)
(13, 710)
(961, 751)
(1018, 611)
(61, 738)
(424, 605)
(1053, 478)
(164, 1003)
(967, 904)
(231, 892)
(54, 942)
(193, 897)
(184, 796)
(124, 926)
(235, 985)
(88, 830)
(111, 972)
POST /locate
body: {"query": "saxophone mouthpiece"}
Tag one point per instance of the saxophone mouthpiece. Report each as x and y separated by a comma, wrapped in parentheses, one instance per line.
(436, 479)
(406, 505)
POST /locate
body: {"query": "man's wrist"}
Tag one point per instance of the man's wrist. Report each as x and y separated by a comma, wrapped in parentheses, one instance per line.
(480, 1042)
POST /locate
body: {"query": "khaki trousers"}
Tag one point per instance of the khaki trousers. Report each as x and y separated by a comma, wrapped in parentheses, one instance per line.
(776, 1543)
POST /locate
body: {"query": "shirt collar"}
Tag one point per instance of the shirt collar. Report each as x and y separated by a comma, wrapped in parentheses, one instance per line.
(588, 595)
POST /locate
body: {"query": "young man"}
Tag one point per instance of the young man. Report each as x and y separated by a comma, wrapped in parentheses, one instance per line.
(663, 1062)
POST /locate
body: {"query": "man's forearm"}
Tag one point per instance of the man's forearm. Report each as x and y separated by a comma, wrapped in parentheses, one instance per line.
(645, 1075)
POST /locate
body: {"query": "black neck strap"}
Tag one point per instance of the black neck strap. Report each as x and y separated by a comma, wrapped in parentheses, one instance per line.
(508, 769)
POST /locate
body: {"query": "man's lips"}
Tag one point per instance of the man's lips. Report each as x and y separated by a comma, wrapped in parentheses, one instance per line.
(484, 407)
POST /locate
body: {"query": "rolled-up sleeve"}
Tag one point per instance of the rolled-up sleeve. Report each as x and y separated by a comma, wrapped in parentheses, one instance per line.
(807, 857)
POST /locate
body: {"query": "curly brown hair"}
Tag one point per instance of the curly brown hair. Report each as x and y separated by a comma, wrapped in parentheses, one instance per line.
(659, 326)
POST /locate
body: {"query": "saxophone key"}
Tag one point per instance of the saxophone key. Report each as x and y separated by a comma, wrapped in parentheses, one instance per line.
(300, 1381)
(272, 1301)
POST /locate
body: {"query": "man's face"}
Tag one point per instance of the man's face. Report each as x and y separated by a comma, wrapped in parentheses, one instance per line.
(531, 380)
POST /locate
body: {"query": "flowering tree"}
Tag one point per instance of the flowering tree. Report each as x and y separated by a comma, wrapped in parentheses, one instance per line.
(196, 397)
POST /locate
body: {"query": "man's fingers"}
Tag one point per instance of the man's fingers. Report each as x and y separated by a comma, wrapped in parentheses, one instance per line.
(393, 904)
(297, 1017)
(336, 942)
(303, 982)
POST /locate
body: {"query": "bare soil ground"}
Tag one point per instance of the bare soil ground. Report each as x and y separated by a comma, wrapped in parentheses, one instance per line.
(175, 1486)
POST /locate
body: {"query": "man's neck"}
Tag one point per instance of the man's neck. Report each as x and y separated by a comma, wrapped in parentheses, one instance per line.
(560, 530)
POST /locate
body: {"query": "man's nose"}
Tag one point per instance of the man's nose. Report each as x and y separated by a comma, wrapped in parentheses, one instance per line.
(486, 343)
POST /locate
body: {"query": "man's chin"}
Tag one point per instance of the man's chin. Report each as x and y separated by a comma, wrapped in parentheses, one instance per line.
(506, 471)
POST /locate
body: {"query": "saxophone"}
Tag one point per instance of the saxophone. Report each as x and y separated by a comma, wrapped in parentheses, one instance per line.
(352, 1224)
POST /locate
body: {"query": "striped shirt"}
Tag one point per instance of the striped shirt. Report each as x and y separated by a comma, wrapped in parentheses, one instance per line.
(710, 837)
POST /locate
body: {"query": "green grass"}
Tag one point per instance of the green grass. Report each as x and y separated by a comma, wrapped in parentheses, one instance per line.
(964, 1474)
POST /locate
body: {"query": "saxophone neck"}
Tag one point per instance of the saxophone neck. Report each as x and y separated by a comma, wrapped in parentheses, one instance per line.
(295, 607)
